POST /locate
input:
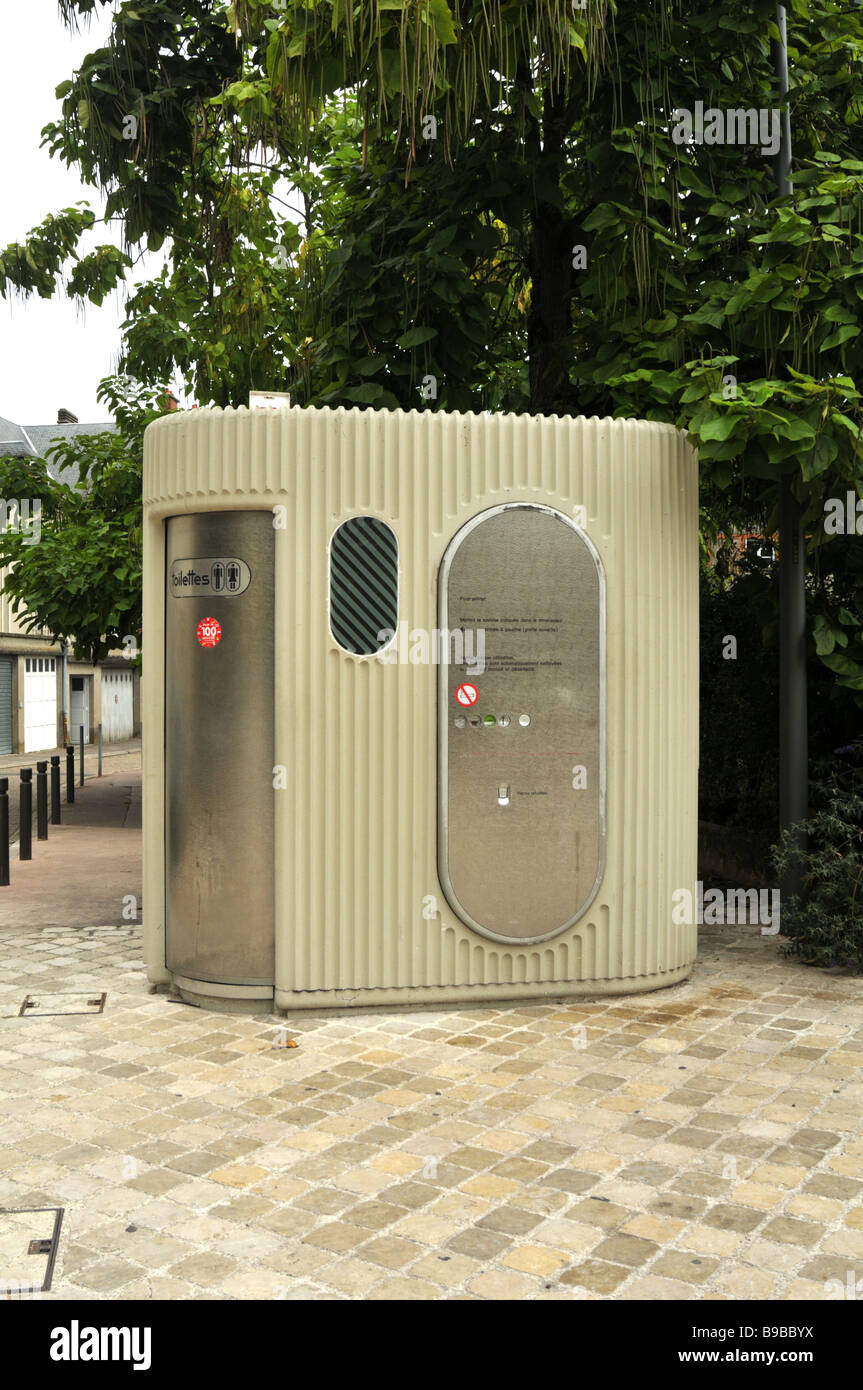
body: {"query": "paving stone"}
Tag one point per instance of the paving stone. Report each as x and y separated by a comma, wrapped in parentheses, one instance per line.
(680, 1207)
(510, 1220)
(389, 1251)
(598, 1211)
(730, 1218)
(597, 1276)
(245, 1208)
(156, 1180)
(570, 1180)
(788, 1229)
(626, 1250)
(107, 1276)
(535, 1259)
(679, 1264)
(742, 1282)
(374, 1216)
(337, 1236)
(655, 1174)
(326, 1201)
(410, 1195)
(206, 1269)
(828, 1185)
(377, 1161)
(483, 1245)
(502, 1287)
(258, 1284)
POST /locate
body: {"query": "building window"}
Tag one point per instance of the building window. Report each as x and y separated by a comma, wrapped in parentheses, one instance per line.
(364, 585)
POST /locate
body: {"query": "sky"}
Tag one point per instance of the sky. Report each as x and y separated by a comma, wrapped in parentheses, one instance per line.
(52, 353)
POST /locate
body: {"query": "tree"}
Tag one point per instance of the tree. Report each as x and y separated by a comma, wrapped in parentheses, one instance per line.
(82, 579)
(509, 210)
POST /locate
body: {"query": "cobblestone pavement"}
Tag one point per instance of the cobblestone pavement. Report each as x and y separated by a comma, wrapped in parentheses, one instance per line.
(699, 1142)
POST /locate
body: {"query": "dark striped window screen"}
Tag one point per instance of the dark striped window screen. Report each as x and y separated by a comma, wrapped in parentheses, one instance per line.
(364, 583)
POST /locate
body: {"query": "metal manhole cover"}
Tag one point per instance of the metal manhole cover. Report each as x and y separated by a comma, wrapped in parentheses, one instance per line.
(49, 1005)
(28, 1249)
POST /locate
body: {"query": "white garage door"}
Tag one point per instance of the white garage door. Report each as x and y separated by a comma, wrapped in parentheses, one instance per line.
(40, 703)
(117, 713)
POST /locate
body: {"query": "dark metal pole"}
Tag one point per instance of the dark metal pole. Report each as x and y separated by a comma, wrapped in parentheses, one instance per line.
(4, 831)
(100, 750)
(25, 815)
(41, 801)
(55, 789)
(81, 746)
(70, 772)
(793, 714)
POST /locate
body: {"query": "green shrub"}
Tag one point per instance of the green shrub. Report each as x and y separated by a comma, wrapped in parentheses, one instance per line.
(824, 926)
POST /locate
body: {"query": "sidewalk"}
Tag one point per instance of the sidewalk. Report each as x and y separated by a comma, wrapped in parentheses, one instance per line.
(80, 875)
(703, 1142)
(116, 757)
(10, 763)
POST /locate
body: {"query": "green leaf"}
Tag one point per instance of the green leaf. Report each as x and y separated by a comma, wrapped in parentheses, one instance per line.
(442, 21)
(576, 39)
(367, 394)
(788, 427)
(415, 336)
(821, 457)
(721, 427)
(823, 634)
(841, 335)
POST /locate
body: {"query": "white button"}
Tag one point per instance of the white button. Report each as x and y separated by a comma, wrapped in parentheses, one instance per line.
(524, 720)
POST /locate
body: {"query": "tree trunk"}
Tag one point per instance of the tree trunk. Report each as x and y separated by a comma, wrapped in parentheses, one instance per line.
(549, 324)
(549, 318)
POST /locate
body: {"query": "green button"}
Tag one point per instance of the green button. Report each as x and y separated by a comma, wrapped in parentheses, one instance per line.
(489, 721)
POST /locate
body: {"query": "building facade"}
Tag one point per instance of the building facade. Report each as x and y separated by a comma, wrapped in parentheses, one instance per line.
(47, 697)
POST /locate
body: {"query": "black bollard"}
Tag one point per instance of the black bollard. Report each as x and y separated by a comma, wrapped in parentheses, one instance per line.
(70, 772)
(41, 801)
(82, 755)
(55, 789)
(4, 831)
(25, 815)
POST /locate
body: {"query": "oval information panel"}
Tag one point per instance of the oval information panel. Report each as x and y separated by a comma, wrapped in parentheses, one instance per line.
(521, 773)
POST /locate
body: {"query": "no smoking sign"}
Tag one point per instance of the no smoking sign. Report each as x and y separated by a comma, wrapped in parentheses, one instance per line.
(209, 632)
(467, 695)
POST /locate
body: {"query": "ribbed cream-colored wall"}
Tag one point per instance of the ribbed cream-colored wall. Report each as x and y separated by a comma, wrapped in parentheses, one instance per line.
(356, 830)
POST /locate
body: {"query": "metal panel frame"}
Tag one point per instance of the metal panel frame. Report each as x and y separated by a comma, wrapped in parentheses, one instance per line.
(197, 963)
(451, 551)
(354, 516)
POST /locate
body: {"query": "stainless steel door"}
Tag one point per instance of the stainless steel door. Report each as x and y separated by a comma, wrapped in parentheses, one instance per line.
(521, 773)
(219, 747)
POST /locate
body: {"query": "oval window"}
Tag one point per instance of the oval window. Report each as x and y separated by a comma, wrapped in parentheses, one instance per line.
(364, 585)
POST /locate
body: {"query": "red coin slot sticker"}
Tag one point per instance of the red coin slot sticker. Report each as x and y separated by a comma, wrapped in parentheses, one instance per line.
(209, 632)
(467, 695)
